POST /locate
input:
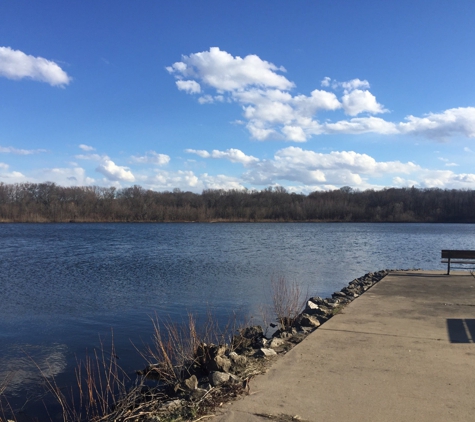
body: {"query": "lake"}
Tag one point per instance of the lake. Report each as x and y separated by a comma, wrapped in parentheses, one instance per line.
(64, 287)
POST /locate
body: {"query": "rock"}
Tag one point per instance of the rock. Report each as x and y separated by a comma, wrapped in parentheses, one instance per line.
(211, 357)
(238, 360)
(306, 320)
(267, 353)
(191, 383)
(284, 334)
(198, 394)
(218, 378)
(317, 300)
(311, 305)
(222, 363)
(235, 379)
(207, 352)
(248, 337)
(276, 343)
(297, 338)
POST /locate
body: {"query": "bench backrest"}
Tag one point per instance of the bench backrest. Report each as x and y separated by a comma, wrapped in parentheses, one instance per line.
(451, 253)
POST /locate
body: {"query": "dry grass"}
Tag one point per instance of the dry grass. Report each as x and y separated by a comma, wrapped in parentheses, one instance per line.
(172, 352)
(173, 355)
(288, 300)
(6, 411)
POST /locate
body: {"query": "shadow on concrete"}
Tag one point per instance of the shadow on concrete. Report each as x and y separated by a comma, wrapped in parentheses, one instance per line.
(461, 330)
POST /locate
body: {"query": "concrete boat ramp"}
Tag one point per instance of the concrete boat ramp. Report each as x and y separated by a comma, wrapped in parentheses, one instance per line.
(402, 351)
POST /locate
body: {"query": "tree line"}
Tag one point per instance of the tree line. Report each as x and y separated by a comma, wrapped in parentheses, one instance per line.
(48, 202)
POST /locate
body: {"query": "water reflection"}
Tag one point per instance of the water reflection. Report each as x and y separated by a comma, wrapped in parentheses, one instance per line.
(24, 367)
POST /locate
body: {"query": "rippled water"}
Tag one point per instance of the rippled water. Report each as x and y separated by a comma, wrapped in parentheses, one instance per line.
(64, 285)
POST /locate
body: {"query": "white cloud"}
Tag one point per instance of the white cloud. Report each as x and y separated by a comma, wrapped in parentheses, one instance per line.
(358, 101)
(114, 172)
(15, 64)
(75, 176)
(192, 87)
(10, 176)
(326, 81)
(200, 152)
(270, 109)
(446, 179)
(272, 112)
(234, 155)
(91, 157)
(220, 70)
(72, 176)
(86, 147)
(361, 125)
(152, 157)
(206, 99)
(354, 84)
(221, 182)
(440, 126)
(309, 168)
(189, 181)
(294, 133)
(12, 150)
(166, 180)
(467, 149)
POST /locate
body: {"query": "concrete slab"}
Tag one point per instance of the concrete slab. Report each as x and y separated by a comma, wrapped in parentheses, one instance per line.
(403, 351)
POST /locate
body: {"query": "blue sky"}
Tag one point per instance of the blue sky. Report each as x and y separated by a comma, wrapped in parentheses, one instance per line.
(309, 95)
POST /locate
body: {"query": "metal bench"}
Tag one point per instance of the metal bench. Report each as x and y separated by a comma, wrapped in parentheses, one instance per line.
(450, 256)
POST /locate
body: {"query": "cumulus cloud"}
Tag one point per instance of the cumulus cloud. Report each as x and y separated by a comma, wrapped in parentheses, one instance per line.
(441, 126)
(272, 111)
(354, 84)
(234, 155)
(12, 150)
(326, 81)
(200, 152)
(192, 87)
(224, 72)
(189, 181)
(358, 125)
(14, 64)
(67, 176)
(358, 101)
(152, 157)
(75, 176)
(10, 176)
(86, 147)
(114, 172)
(312, 168)
(167, 180)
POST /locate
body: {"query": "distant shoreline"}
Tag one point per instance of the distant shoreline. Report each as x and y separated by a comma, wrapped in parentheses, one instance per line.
(49, 203)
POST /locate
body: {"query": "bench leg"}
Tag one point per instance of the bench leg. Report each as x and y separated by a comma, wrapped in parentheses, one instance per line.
(448, 266)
